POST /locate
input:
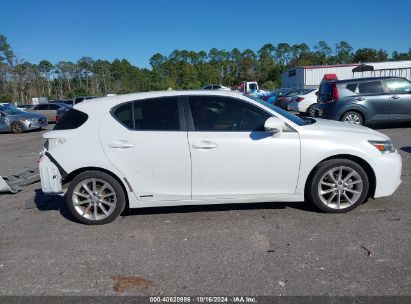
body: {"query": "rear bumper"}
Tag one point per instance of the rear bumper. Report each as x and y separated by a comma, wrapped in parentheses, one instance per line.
(50, 176)
(387, 169)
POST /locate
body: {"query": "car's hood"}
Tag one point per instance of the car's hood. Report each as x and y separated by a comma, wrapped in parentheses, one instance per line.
(345, 127)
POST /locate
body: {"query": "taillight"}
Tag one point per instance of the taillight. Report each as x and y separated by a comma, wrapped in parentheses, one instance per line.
(58, 118)
(334, 93)
(299, 99)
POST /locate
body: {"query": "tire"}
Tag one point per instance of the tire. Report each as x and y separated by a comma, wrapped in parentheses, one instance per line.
(16, 127)
(99, 202)
(310, 111)
(353, 117)
(332, 197)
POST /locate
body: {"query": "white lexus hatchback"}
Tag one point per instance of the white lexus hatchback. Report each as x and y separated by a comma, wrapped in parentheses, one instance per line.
(209, 147)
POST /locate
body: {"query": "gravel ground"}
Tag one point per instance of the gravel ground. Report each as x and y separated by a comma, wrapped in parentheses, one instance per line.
(249, 249)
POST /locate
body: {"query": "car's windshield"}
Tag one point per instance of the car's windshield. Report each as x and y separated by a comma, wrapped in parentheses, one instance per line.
(10, 110)
(295, 119)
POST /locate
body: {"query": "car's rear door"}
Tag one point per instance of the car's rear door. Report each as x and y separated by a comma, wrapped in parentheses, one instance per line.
(399, 90)
(146, 140)
(233, 157)
(372, 96)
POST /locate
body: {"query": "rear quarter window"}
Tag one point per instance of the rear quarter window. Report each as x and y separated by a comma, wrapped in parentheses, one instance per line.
(370, 87)
(71, 120)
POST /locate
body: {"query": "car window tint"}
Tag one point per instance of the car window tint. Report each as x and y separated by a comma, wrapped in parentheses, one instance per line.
(373, 87)
(124, 115)
(217, 113)
(398, 86)
(352, 87)
(71, 120)
(158, 114)
(53, 107)
(207, 88)
(42, 107)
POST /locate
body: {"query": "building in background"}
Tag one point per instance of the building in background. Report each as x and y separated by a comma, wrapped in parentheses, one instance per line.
(310, 76)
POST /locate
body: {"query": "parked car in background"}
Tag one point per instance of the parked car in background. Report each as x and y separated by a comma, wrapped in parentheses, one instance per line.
(216, 87)
(17, 121)
(365, 100)
(60, 113)
(304, 103)
(47, 109)
(283, 100)
(78, 99)
(209, 147)
(24, 107)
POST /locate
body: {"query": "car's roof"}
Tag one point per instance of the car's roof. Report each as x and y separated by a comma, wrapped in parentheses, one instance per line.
(111, 101)
(365, 79)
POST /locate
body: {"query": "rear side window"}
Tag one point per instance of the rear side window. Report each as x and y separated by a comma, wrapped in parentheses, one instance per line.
(398, 86)
(352, 87)
(158, 114)
(124, 114)
(71, 120)
(371, 87)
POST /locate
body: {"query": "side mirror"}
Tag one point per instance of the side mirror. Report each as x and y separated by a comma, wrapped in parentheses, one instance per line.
(317, 93)
(274, 125)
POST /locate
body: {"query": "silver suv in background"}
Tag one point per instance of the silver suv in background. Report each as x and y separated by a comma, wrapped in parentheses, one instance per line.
(365, 100)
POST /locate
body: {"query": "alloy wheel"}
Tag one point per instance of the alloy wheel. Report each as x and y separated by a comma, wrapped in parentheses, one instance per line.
(340, 187)
(94, 199)
(353, 118)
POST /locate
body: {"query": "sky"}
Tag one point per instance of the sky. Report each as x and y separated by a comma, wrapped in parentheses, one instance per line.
(135, 30)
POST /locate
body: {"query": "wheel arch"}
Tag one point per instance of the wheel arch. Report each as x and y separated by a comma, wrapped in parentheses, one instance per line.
(357, 110)
(360, 161)
(123, 183)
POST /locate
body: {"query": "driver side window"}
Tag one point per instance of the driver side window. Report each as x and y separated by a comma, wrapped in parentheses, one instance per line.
(224, 114)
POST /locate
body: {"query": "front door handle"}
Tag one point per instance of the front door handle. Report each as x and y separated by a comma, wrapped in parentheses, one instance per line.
(360, 99)
(206, 145)
(395, 97)
(120, 144)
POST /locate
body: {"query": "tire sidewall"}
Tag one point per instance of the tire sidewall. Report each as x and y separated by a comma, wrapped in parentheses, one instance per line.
(353, 113)
(322, 169)
(121, 200)
(16, 124)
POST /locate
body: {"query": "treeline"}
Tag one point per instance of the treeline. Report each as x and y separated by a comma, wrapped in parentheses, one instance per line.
(21, 80)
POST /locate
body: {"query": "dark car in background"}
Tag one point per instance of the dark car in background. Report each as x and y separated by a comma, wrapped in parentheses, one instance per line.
(77, 99)
(365, 100)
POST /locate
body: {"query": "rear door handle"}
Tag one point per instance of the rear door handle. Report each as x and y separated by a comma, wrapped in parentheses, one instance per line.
(120, 144)
(395, 97)
(206, 145)
(360, 99)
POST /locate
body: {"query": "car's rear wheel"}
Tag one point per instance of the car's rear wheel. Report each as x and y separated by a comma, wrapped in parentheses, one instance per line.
(95, 198)
(311, 111)
(353, 117)
(17, 127)
(338, 185)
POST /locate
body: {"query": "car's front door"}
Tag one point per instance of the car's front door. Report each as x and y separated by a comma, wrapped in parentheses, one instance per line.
(233, 157)
(146, 140)
(399, 90)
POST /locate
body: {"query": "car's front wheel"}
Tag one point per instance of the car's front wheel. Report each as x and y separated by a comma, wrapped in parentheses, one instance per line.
(16, 127)
(95, 198)
(338, 185)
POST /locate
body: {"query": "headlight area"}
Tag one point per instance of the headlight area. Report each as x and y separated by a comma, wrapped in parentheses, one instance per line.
(29, 121)
(384, 147)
